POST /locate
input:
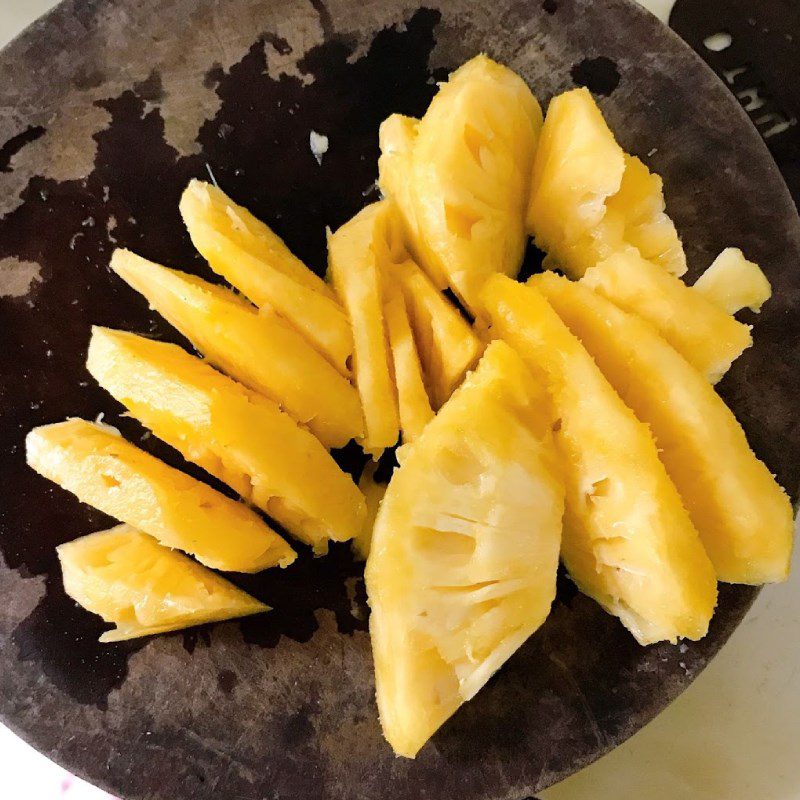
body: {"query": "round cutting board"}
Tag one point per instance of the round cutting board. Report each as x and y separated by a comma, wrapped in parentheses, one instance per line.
(108, 108)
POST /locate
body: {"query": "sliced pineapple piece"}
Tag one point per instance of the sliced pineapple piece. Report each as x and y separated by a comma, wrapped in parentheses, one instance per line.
(357, 253)
(628, 542)
(237, 435)
(743, 517)
(706, 336)
(590, 199)
(204, 202)
(397, 136)
(578, 166)
(412, 398)
(104, 471)
(254, 260)
(373, 492)
(128, 578)
(446, 343)
(465, 549)
(470, 176)
(733, 283)
(260, 350)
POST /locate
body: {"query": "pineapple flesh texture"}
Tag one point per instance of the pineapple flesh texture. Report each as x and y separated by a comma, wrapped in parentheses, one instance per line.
(733, 283)
(110, 474)
(357, 253)
(589, 198)
(412, 398)
(743, 517)
(628, 541)
(252, 258)
(446, 343)
(373, 492)
(710, 339)
(144, 588)
(238, 436)
(259, 349)
(470, 174)
(465, 549)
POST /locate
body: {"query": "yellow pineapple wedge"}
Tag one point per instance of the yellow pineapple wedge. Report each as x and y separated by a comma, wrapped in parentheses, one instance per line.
(373, 492)
(733, 283)
(743, 517)
(412, 398)
(446, 343)
(590, 199)
(254, 260)
(131, 580)
(465, 548)
(710, 339)
(258, 349)
(357, 254)
(104, 471)
(397, 136)
(239, 436)
(469, 177)
(628, 541)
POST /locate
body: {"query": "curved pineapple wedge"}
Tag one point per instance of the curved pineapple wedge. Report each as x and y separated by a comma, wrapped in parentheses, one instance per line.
(743, 517)
(206, 203)
(628, 541)
(254, 260)
(465, 549)
(733, 283)
(258, 349)
(237, 435)
(470, 176)
(589, 198)
(128, 578)
(412, 398)
(104, 471)
(397, 136)
(357, 253)
(702, 333)
(446, 343)
(578, 166)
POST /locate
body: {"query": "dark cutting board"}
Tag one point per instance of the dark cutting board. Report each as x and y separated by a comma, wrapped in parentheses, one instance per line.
(108, 108)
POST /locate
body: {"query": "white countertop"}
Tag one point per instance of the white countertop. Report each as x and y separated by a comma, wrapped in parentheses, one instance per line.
(733, 735)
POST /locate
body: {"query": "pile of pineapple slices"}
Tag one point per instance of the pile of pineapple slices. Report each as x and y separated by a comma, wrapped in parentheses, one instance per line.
(571, 417)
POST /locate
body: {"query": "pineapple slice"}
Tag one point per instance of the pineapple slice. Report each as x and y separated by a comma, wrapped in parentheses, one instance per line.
(743, 517)
(373, 492)
(628, 542)
(446, 343)
(590, 199)
(237, 435)
(254, 260)
(578, 166)
(260, 350)
(357, 253)
(105, 471)
(703, 334)
(465, 549)
(397, 136)
(470, 173)
(209, 204)
(128, 578)
(733, 283)
(412, 399)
